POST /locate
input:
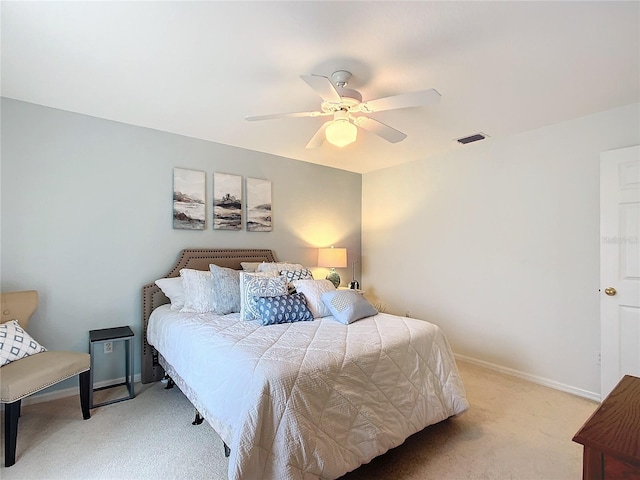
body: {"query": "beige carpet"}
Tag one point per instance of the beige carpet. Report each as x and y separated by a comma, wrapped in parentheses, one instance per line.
(513, 430)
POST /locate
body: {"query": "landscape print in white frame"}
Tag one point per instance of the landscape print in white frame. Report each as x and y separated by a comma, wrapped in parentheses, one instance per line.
(258, 205)
(227, 202)
(189, 199)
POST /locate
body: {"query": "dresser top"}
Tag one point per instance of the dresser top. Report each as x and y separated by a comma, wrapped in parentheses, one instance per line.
(614, 428)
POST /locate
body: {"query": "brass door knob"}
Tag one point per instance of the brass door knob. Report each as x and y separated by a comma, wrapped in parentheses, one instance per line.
(610, 291)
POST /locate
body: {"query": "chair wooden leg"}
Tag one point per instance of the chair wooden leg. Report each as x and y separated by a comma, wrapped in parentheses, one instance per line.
(11, 414)
(85, 385)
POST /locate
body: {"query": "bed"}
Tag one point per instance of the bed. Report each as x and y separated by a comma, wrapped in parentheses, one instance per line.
(305, 400)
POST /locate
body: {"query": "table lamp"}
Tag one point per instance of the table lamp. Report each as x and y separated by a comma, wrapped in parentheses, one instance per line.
(332, 258)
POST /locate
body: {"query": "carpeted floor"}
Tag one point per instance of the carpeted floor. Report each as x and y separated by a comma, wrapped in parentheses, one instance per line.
(513, 430)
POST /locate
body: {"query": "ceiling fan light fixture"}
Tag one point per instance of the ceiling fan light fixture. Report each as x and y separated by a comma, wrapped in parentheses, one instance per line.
(341, 132)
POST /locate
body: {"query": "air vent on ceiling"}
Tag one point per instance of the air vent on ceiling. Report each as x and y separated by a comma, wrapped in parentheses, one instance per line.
(472, 138)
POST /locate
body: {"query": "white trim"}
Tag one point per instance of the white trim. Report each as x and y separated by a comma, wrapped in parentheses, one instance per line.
(69, 392)
(531, 378)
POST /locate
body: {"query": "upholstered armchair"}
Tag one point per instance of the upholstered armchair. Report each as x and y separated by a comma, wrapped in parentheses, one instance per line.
(27, 369)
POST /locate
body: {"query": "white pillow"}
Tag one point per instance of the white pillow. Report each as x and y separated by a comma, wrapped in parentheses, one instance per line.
(313, 290)
(198, 291)
(276, 267)
(250, 266)
(226, 289)
(174, 291)
(15, 343)
(259, 284)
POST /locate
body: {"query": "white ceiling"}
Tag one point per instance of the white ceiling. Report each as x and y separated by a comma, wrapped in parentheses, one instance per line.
(198, 68)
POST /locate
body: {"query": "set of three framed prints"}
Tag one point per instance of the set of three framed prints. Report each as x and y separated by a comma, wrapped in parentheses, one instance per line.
(189, 201)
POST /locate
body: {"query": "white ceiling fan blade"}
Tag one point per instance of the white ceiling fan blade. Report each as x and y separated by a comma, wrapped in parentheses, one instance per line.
(405, 100)
(323, 87)
(318, 137)
(286, 115)
(385, 131)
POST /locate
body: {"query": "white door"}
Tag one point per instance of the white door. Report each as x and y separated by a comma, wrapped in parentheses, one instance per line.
(619, 265)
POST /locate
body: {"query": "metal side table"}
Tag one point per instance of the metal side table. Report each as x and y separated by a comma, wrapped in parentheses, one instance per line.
(113, 335)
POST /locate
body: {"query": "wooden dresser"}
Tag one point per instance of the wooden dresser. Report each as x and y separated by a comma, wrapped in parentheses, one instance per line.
(611, 436)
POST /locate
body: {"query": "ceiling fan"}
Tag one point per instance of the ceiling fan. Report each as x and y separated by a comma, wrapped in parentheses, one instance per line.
(346, 107)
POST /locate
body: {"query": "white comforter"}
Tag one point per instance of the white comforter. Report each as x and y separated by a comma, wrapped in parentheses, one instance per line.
(310, 399)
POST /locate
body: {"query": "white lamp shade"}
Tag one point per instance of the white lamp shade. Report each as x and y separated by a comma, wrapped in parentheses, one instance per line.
(341, 133)
(332, 257)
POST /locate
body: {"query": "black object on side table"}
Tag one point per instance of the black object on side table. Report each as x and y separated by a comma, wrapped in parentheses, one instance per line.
(113, 335)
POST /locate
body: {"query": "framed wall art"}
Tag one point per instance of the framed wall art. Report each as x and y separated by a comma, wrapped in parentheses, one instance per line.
(227, 202)
(259, 214)
(189, 189)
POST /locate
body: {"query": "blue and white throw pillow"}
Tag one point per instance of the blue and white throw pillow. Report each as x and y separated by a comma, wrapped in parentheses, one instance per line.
(15, 343)
(254, 285)
(283, 309)
(292, 275)
(347, 306)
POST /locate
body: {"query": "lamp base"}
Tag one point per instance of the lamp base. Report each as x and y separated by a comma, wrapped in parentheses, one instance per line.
(334, 278)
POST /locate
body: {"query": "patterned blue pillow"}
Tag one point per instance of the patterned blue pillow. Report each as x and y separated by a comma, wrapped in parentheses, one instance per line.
(291, 275)
(254, 285)
(283, 309)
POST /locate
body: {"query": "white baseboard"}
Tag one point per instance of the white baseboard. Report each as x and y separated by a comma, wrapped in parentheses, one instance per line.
(531, 378)
(70, 392)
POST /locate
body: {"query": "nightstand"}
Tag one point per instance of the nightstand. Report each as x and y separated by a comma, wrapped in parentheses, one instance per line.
(115, 334)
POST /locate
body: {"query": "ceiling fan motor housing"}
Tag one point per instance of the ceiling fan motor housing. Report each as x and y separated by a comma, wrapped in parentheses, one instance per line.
(340, 78)
(348, 100)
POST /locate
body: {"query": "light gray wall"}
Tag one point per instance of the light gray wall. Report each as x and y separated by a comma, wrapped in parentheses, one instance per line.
(498, 243)
(87, 215)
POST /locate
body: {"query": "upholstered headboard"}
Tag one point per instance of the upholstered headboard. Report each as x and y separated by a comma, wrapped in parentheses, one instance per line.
(197, 259)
